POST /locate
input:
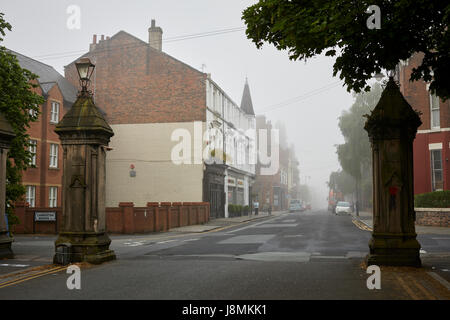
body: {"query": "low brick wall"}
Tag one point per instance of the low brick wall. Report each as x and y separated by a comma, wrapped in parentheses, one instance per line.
(125, 219)
(436, 217)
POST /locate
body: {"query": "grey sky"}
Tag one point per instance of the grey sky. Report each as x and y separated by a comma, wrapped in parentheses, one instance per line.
(39, 29)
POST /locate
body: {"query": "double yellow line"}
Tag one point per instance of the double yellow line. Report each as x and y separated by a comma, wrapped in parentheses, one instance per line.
(32, 276)
(361, 225)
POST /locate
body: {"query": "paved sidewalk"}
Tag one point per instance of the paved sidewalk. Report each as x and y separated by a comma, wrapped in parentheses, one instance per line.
(366, 218)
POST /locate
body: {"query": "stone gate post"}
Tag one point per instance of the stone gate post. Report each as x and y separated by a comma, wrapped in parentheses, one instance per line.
(6, 136)
(392, 127)
(84, 135)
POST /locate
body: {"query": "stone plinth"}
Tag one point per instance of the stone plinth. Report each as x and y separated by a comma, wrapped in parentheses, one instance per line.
(84, 135)
(392, 127)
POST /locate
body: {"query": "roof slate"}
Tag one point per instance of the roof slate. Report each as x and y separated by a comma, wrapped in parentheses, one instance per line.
(48, 77)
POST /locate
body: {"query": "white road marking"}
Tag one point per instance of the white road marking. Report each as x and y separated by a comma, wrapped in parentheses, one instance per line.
(440, 238)
(134, 244)
(190, 240)
(422, 251)
(165, 241)
(14, 265)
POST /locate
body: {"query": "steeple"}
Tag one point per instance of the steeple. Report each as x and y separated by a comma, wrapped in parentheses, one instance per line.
(246, 102)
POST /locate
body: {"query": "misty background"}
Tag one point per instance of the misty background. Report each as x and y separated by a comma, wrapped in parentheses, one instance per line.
(305, 97)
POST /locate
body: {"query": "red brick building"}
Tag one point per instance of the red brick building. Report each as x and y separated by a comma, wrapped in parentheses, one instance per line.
(134, 82)
(432, 143)
(43, 179)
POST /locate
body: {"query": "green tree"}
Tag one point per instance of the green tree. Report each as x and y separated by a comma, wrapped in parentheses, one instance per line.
(339, 28)
(355, 154)
(20, 107)
(341, 181)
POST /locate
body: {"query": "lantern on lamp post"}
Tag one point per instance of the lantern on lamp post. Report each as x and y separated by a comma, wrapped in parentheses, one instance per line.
(85, 69)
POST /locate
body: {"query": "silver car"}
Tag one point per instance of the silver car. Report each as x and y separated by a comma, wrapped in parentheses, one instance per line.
(343, 207)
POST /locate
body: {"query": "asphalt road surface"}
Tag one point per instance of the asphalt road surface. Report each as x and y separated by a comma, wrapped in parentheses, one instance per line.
(308, 255)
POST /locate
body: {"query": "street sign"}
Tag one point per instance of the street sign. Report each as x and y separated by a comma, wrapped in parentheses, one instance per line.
(45, 216)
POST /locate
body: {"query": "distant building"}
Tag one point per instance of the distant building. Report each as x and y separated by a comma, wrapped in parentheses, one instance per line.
(151, 101)
(43, 179)
(275, 190)
(432, 143)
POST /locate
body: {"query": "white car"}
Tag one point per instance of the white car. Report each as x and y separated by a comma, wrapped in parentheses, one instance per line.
(343, 207)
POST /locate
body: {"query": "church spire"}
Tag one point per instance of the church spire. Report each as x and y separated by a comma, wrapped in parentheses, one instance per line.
(246, 102)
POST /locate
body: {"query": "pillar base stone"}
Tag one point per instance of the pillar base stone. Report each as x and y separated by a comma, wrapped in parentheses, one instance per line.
(394, 250)
(5, 247)
(88, 247)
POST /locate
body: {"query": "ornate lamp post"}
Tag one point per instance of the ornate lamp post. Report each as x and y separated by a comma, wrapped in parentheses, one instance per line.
(84, 135)
(392, 127)
(6, 135)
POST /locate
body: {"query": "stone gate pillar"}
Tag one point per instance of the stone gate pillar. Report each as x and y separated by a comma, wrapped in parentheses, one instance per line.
(84, 134)
(392, 127)
(6, 135)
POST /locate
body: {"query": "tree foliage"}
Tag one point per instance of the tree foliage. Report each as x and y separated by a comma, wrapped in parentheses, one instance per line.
(20, 106)
(339, 28)
(355, 154)
(341, 181)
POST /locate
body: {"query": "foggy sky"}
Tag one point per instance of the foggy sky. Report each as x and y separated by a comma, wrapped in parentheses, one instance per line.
(39, 30)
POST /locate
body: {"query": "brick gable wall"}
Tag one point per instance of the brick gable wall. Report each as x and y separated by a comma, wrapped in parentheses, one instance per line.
(134, 83)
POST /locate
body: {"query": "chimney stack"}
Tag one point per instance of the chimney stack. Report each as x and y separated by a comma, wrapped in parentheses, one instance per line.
(94, 43)
(155, 36)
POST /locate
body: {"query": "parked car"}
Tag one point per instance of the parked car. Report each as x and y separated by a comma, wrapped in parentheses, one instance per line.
(295, 205)
(343, 207)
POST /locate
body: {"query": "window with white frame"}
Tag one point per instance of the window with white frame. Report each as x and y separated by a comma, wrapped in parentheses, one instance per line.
(437, 178)
(53, 155)
(32, 149)
(435, 112)
(53, 197)
(31, 195)
(54, 112)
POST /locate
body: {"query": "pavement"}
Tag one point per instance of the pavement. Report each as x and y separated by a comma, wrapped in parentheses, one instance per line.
(366, 218)
(286, 256)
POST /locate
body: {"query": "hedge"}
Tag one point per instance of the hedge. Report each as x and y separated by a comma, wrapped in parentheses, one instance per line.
(436, 199)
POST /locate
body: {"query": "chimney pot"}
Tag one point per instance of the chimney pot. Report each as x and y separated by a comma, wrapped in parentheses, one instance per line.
(155, 36)
(103, 37)
(94, 39)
